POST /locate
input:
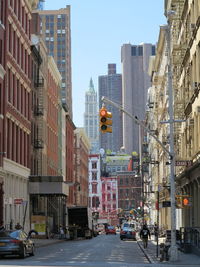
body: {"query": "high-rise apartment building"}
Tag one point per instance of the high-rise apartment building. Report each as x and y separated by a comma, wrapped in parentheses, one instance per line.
(56, 31)
(91, 118)
(135, 83)
(110, 86)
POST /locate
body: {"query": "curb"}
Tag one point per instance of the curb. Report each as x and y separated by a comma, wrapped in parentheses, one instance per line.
(149, 258)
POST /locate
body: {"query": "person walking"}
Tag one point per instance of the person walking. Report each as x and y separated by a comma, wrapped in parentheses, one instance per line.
(61, 232)
(144, 235)
(155, 231)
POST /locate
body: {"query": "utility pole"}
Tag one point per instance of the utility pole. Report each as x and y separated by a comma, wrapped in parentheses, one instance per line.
(173, 247)
(141, 171)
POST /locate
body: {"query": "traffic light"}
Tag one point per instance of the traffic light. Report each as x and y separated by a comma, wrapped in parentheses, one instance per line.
(183, 201)
(186, 201)
(105, 120)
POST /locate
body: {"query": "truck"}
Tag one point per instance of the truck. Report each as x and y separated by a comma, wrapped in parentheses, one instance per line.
(80, 222)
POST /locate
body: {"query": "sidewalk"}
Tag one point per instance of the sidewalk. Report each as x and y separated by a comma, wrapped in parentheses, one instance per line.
(183, 258)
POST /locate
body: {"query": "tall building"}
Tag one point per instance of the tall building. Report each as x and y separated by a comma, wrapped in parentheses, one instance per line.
(91, 118)
(110, 86)
(2, 77)
(16, 112)
(56, 31)
(41, 4)
(135, 83)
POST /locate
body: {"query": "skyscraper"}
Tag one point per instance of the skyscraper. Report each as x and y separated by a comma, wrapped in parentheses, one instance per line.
(110, 86)
(56, 31)
(91, 118)
(135, 83)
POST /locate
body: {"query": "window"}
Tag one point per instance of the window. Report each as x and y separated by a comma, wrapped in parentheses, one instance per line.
(127, 192)
(94, 188)
(133, 51)
(1, 49)
(94, 165)
(94, 176)
(1, 12)
(140, 51)
(114, 196)
(120, 193)
(153, 50)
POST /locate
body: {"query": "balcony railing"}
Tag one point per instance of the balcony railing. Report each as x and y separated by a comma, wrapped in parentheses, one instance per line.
(38, 111)
(39, 82)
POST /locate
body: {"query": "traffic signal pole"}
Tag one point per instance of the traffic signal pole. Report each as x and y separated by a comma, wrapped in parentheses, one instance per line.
(137, 121)
(173, 248)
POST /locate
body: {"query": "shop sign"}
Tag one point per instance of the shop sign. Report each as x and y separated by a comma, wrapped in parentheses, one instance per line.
(18, 200)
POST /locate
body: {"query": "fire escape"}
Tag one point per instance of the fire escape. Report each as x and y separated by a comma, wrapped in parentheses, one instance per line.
(38, 136)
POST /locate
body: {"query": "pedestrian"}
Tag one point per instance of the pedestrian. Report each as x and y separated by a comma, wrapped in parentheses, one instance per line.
(11, 224)
(155, 231)
(61, 232)
(144, 235)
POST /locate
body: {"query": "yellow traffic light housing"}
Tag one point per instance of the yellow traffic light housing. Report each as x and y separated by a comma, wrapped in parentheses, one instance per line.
(183, 201)
(105, 120)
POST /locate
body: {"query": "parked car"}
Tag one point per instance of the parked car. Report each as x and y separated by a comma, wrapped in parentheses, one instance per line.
(16, 242)
(110, 230)
(127, 232)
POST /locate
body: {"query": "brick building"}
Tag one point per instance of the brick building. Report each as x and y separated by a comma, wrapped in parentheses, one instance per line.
(129, 190)
(2, 92)
(82, 147)
(16, 112)
(109, 200)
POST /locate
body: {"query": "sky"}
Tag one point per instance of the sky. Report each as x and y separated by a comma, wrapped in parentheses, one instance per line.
(99, 28)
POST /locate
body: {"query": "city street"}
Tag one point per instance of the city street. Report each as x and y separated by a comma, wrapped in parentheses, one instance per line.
(104, 250)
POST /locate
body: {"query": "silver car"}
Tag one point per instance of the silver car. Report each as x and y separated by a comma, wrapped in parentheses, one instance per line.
(16, 243)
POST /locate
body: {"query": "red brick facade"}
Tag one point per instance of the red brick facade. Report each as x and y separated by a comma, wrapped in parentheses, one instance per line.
(17, 98)
(2, 92)
(70, 177)
(53, 90)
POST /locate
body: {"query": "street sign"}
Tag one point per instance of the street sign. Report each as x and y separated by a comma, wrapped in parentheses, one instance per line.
(166, 204)
(18, 200)
(186, 163)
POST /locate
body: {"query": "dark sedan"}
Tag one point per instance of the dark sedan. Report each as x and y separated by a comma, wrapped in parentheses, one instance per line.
(16, 243)
(127, 233)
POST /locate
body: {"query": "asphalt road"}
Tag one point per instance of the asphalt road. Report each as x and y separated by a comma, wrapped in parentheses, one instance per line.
(101, 251)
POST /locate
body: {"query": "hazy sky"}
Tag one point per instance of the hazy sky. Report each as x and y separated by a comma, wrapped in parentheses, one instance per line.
(98, 29)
